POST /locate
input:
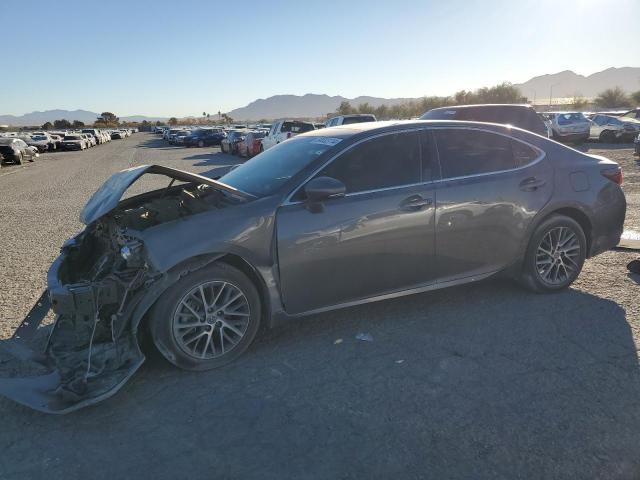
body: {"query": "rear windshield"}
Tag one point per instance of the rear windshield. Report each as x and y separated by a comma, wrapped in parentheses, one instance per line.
(72, 137)
(297, 127)
(569, 118)
(349, 120)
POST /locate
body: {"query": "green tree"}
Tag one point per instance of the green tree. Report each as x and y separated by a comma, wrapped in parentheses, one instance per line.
(158, 123)
(345, 108)
(62, 124)
(108, 118)
(47, 126)
(612, 98)
(173, 121)
(635, 98)
(77, 124)
(579, 102)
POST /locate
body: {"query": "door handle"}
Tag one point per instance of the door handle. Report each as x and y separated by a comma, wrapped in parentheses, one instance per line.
(531, 184)
(415, 202)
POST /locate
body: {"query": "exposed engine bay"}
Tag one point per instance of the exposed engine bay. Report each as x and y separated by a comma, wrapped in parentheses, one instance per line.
(100, 287)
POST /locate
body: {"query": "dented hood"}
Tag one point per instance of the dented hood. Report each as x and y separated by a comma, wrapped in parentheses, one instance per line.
(107, 197)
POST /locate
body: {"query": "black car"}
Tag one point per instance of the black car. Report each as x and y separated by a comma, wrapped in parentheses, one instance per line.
(16, 150)
(204, 137)
(522, 116)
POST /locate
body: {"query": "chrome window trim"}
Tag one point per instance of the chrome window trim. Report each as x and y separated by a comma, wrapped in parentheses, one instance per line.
(539, 158)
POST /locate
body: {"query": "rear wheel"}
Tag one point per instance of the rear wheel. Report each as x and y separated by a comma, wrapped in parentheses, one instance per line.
(207, 319)
(555, 255)
(200, 143)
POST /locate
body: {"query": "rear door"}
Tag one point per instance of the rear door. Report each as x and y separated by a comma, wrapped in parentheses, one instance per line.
(377, 239)
(491, 188)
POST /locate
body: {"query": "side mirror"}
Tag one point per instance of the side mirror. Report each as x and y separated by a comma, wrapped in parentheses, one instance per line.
(324, 188)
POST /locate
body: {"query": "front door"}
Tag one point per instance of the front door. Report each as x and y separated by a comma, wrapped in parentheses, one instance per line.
(377, 239)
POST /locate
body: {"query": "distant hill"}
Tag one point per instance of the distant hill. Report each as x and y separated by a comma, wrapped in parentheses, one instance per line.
(39, 118)
(568, 83)
(305, 106)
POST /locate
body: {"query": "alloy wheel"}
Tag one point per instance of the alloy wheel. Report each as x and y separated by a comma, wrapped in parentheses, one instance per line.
(558, 256)
(211, 319)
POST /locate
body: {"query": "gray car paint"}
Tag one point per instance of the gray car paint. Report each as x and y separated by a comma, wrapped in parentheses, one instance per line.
(365, 247)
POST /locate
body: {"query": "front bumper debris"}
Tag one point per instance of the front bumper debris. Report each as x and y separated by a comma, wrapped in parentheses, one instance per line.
(77, 375)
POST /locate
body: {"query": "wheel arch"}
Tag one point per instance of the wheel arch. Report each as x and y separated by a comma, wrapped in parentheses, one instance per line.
(572, 211)
(199, 262)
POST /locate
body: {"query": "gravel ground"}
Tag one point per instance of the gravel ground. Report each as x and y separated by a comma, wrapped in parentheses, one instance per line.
(480, 381)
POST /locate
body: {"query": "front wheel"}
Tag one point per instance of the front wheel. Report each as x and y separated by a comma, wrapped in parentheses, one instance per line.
(555, 255)
(207, 319)
(19, 158)
(607, 136)
(200, 143)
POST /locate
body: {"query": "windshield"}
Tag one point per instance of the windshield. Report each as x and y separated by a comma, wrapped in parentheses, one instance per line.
(265, 173)
(72, 137)
(39, 137)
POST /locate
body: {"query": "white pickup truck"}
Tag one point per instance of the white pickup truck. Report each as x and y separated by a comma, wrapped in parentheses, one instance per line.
(284, 129)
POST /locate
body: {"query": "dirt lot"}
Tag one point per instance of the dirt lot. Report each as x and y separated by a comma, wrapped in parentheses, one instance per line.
(481, 381)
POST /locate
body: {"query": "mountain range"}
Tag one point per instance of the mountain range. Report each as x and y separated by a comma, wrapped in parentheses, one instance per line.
(39, 118)
(570, 84)
(562, 84)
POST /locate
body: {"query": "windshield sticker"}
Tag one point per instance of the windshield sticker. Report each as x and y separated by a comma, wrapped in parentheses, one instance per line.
(326, 141)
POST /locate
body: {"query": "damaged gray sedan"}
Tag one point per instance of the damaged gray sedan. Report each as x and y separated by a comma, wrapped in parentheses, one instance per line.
(328, 219)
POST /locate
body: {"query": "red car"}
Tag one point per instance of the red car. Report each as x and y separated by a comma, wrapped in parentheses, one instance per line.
(250, 146)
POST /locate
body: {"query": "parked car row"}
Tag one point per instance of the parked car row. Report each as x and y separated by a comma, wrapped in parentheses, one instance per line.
(14, 143)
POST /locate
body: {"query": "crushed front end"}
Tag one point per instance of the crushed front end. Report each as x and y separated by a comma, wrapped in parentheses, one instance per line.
(102, 285)
(95, 287)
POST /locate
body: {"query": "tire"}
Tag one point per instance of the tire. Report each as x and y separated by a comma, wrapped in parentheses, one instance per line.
(18, 159)
(607, 136)
(566, 262)
(201, 143)
(184, 346)
(261, 148)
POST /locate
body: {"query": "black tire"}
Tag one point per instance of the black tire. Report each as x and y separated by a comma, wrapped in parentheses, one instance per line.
(607, 136)
(163, 313)
(532, 277)
(18, 159)
(261, 148)
(201, 143)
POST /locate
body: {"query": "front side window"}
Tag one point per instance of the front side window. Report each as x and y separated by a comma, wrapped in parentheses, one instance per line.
(387, 161)
(465, 152)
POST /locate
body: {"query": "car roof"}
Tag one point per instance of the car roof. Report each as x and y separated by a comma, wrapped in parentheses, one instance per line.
(484, 105)
(346, 131)
(7, 140)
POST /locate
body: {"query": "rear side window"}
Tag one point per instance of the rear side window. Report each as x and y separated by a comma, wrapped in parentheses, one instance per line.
(471, 152)
(523, 154)
(388, 161)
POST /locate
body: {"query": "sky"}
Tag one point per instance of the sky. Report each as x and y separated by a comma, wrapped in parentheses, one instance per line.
(180, 58)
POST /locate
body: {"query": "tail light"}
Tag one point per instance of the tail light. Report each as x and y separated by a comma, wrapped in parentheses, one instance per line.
(614, 174)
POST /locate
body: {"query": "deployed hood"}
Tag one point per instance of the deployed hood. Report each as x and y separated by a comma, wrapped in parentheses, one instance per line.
(107, 197)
